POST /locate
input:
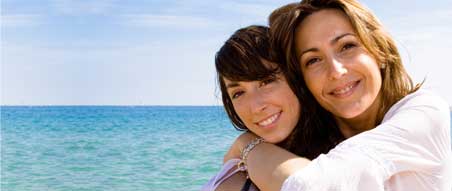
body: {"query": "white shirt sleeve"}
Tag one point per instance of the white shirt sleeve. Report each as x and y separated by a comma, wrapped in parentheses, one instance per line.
(413, 139)
(344, 169)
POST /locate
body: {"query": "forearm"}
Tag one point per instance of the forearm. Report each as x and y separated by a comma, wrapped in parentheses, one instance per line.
(269, 166)
(239, 143)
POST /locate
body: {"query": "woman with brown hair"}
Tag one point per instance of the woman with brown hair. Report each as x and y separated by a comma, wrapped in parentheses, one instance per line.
(258, 98)
(398, 135)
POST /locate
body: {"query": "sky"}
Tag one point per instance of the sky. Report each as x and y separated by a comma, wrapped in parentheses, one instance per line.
(149, 52)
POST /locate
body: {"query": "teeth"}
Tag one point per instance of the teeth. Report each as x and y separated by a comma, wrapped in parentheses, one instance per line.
(344, 90)
(269, 120)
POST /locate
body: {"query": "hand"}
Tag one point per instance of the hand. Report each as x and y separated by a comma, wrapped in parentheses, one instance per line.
(238, 145)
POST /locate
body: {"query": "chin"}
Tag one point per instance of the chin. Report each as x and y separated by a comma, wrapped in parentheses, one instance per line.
(350, 114)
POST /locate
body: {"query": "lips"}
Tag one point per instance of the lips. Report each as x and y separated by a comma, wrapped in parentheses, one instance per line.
(269, 121)
(345, 90)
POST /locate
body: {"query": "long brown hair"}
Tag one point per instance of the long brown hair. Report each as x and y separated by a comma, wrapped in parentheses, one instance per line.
(396, 83)
(240, 59)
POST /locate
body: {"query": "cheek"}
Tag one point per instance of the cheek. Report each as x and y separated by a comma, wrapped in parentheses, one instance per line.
(293, 103)
(240, 109)
(287, 98)
(377, 83)
(292, 107)
(375, 74)
(296, 111)
(313, 85)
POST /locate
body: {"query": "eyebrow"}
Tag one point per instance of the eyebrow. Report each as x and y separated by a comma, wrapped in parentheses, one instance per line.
(333, 41)
(232, 85)
(341, 36)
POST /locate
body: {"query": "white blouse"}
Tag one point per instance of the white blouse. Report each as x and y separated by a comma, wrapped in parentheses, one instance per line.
(409, 150)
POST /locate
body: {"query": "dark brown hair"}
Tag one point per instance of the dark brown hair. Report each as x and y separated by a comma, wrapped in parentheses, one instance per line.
(240, 59)
(396, 83)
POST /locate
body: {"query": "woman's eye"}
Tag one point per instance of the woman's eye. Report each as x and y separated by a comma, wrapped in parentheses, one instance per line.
(268, 81)
(237, 94)
(312, 61)
(348, 46)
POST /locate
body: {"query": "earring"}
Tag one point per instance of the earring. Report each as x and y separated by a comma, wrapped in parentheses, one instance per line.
(383, 66)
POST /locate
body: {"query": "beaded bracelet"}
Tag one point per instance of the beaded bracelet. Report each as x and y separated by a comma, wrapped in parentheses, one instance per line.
(244, 154)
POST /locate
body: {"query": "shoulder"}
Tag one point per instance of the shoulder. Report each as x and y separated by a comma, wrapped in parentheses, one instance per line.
(417, 129)
(421, 113)
(421, 100)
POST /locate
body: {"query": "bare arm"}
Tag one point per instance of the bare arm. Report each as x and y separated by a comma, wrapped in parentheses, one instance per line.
(268, 165)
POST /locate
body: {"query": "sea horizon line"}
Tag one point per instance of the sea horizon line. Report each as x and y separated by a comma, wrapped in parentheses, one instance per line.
(106, 105)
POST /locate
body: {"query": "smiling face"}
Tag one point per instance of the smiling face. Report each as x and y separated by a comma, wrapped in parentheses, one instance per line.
(268, 107)
(343, 77)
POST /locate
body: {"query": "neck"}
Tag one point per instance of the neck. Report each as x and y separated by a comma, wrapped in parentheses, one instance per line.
(363, 122)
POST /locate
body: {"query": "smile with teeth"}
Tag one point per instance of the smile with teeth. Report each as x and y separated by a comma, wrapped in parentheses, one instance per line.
(269, 120)
(345, 90)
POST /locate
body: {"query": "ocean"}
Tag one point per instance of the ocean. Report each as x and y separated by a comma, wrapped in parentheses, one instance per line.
(112, 148)
(90, 148)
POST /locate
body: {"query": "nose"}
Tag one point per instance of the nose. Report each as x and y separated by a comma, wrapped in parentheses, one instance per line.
(336, 69)
(257, 102)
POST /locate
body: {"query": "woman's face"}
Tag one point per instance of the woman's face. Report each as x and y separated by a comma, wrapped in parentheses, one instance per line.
(343, 77)
(268, 108)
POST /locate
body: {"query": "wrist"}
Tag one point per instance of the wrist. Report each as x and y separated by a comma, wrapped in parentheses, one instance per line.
(242, 165)
(244, 139)
(236, 148)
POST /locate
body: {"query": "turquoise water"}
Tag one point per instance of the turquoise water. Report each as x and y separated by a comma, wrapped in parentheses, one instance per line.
(112, 148)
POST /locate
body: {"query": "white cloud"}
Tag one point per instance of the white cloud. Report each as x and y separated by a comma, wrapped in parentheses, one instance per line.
(81, 7)
(21, 20)
(257, 12)
(136, 66)
(171, 21)
(423, 39)
(149, 73)
(420, 22)
(444, 13)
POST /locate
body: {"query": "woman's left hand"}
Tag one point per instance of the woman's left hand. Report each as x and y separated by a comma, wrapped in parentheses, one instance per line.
(238, 145)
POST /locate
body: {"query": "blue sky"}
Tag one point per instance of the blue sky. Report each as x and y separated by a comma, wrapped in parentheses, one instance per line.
(147, 52)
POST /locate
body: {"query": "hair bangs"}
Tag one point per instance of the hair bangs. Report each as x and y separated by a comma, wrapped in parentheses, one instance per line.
(242, 57)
